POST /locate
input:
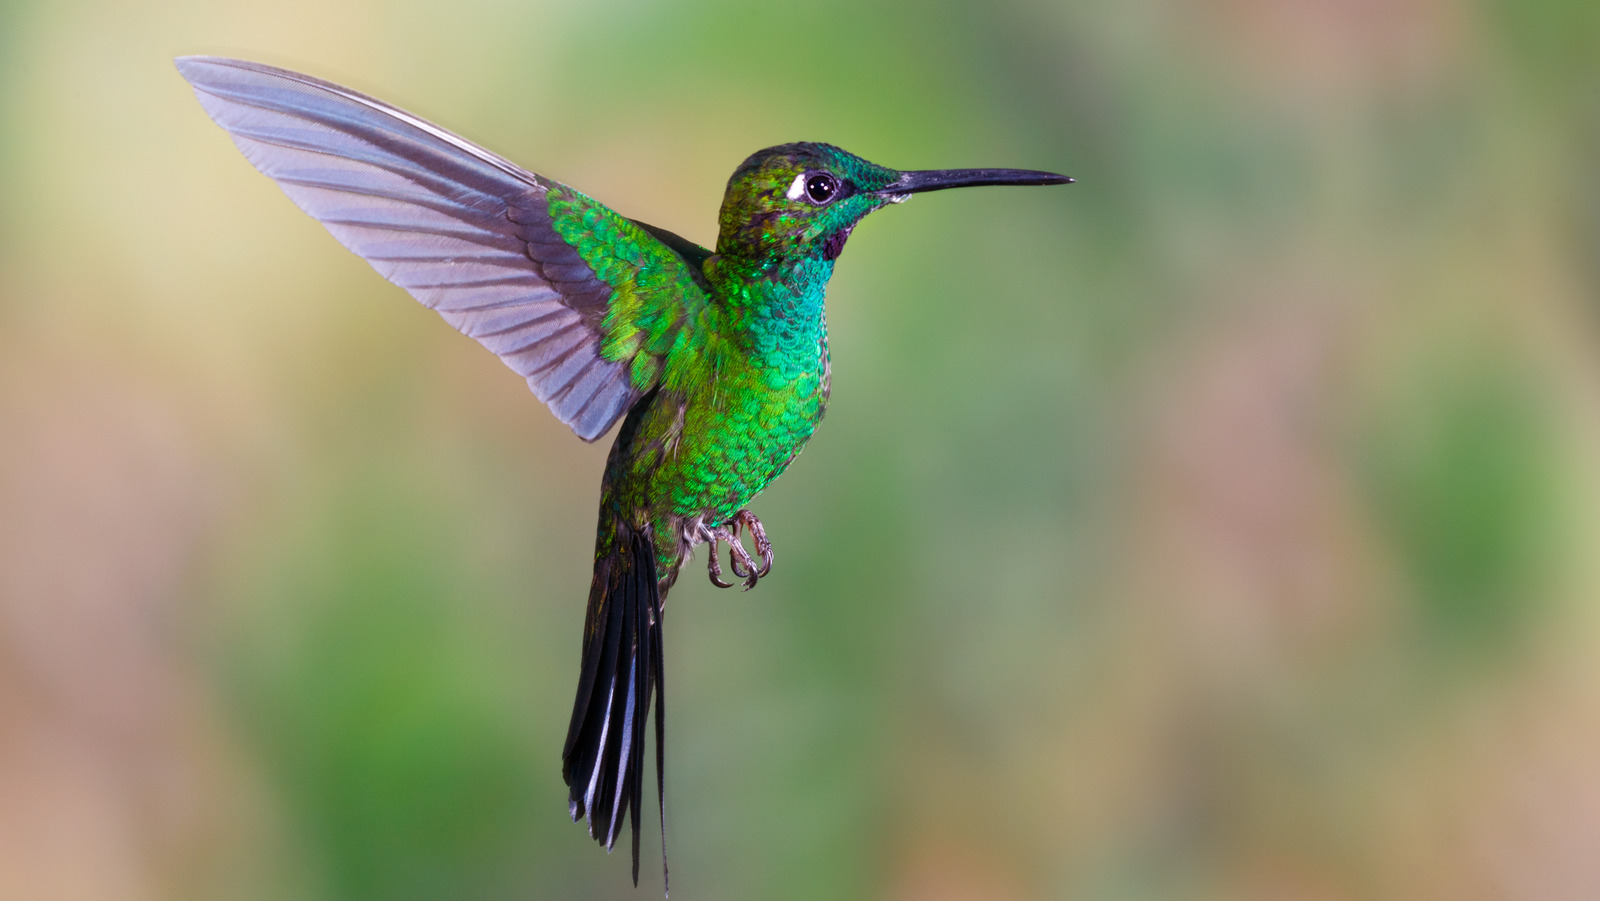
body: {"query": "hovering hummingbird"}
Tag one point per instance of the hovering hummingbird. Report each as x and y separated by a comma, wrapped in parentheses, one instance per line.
(716, 362)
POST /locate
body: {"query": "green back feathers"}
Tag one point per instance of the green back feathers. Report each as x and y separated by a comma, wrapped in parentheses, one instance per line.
(653, 289)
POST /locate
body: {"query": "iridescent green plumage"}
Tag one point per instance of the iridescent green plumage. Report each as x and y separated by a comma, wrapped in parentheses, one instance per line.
(740, 335)
(716, 362)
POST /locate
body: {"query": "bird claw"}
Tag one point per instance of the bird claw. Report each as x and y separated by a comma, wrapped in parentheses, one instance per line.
(763, 546)
(714, 562)
(740, 562)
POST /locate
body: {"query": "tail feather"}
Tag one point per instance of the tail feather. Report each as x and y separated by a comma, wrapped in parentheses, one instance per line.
(603, 761)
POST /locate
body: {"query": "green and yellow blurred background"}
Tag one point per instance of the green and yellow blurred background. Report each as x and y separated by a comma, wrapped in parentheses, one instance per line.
(1224, 526)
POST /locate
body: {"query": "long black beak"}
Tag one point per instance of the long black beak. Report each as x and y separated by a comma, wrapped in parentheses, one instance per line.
(940, 179)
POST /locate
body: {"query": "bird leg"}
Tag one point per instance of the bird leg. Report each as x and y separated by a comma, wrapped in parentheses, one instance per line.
(739, 560)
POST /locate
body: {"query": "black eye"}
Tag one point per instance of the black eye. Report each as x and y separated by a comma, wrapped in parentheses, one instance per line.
(821, 188)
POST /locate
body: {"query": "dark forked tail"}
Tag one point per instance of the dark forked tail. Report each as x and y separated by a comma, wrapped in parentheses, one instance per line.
(603, 762)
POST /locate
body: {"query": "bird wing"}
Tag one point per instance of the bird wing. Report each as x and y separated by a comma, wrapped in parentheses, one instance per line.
(580, 301)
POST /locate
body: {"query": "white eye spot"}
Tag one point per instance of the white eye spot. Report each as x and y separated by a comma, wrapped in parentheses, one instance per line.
(798, 189)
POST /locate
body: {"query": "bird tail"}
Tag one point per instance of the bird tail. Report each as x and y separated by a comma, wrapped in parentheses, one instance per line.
(603, 762)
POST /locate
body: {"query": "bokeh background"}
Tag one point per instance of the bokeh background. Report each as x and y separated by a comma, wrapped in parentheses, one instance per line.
(1221, 527)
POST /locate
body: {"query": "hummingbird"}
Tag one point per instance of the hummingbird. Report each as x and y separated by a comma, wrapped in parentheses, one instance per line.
(714, 361)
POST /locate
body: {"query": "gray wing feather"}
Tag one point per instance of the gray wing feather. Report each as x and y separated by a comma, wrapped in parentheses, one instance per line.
(463, 230)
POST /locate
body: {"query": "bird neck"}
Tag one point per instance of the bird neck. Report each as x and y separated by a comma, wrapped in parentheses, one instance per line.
(776, 304)
(791, 287)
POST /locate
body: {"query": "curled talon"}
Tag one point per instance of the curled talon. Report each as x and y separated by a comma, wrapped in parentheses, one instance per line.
(763, 546)
(740, 562)
(739, 559)
(746, 519)
(714, 566)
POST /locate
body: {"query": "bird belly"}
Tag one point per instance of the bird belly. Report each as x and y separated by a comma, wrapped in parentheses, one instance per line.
(736, 439)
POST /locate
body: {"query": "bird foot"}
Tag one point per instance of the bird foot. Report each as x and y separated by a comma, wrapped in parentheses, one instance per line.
(739, 560)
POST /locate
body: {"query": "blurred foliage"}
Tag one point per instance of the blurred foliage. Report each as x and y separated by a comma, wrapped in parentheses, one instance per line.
(1217, 527)
(1462, 479)
(380, 710)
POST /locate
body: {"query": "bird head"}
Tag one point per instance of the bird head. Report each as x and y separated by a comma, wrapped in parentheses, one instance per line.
(802, 200)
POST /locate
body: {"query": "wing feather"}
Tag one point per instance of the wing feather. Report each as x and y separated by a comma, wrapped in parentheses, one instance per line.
(468, 233)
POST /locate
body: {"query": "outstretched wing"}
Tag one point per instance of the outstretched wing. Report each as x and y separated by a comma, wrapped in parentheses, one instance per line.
(580, 301)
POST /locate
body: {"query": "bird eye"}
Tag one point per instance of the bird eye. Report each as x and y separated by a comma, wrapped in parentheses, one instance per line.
(821, 188)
